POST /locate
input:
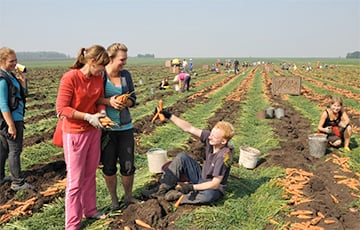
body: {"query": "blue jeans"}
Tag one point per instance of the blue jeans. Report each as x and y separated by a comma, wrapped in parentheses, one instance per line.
(11, 149)
(184, 164)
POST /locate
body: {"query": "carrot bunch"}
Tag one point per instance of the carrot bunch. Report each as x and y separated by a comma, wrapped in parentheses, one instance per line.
(123, 98)
(294, 183)
(55, 189)
(23, 208)
(107, 122)
(158, 114)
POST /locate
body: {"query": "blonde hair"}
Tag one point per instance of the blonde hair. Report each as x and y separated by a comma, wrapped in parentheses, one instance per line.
(114, 48)
(228, 129)
(335, 99)
(96, 52)
(5, 53)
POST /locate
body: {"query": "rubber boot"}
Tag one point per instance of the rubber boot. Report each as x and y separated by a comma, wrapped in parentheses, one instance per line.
(172, 195)
(168, 181)
(148, 192)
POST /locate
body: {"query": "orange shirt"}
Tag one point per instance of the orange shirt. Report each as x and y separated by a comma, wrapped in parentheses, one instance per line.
(78, 93)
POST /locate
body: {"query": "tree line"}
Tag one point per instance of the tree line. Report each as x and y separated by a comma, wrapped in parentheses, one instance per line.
(42, 55)
(355, 54)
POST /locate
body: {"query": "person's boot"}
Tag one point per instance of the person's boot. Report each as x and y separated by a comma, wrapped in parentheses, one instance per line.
(172, 195)
(168, 181)
(148, 192)
(163, 189)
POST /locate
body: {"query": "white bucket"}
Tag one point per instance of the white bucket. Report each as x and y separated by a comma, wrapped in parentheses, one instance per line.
(176, 87)
(156, 157)
(248, 157)
(317, 144)
(279, 113)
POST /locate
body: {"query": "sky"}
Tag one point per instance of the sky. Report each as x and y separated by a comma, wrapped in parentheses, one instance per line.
(185, 28)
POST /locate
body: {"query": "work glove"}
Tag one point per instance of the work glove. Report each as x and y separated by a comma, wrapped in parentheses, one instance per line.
(184, 188)
(166, 113)
(93, 119)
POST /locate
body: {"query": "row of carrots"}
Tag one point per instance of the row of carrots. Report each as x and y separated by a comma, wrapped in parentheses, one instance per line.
(293, 183)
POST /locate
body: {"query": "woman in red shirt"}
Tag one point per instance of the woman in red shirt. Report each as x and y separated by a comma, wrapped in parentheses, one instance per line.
(78, 92)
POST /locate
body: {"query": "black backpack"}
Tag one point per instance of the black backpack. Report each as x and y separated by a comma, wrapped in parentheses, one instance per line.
(13, 101)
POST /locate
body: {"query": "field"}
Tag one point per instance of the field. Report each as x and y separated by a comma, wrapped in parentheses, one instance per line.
(288, 189)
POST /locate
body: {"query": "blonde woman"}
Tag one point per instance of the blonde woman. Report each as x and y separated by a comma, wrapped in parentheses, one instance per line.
(335, 122)
(118, 143)
(13, 90)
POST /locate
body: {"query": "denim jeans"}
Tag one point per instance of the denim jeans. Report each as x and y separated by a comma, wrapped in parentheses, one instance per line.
(11, 149)
(184, 164)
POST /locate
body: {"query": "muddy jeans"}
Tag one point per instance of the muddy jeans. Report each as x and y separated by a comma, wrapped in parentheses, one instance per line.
(11, 149)
(184, 164)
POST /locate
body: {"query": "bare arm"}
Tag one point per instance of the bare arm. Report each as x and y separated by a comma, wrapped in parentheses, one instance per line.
(322, 122)
(344, 120)
(213, 184)
(186, 126)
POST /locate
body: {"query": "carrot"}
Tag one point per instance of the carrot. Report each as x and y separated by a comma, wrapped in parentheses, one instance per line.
(20, 202)
(5, 206)
(336, 201)
(315, 220)
(106, 121)
(301, 212)
(5, 218)
(142, 223)
(26, 206)
(339, 177)
(123, 98)
(355, 195)
(329, 221)
(158, 114)
(320, 214)
(50, 193)
(177, 204)
(49, 190)
(272, 221)
(302, 201)
(301, 216)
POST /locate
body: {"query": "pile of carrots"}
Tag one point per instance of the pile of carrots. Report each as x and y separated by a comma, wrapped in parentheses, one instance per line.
(350, 182)
(293, 184)
(24, 207)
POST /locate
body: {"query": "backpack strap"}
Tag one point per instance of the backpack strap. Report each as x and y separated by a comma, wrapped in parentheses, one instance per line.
(12, 99)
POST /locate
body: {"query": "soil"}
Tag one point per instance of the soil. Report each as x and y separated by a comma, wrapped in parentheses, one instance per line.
(293, 130)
